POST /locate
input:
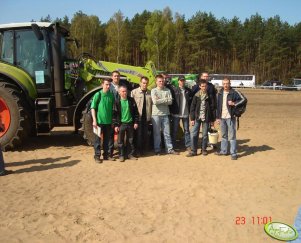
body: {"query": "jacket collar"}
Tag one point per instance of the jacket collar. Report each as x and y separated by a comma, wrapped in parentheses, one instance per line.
(140, 90)
(222, 90)
(197, 94)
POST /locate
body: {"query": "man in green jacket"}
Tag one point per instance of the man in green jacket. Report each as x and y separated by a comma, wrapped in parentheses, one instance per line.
(102, 114)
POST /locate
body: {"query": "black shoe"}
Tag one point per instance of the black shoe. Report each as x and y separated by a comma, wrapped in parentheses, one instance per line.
(109, 158)
(121, 159)
(97, 159)
(131, 157)
(220, 154)
(191, 154)
(234, 157)
(173, 152)
(6, 172)
(204, 152)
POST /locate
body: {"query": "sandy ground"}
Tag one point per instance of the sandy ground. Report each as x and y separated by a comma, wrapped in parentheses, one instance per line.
(59, 194)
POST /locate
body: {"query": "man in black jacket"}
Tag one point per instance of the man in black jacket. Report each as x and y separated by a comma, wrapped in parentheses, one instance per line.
(211, 90)
(125, 119)
(227, 99)
(201, 110)
(180, 111)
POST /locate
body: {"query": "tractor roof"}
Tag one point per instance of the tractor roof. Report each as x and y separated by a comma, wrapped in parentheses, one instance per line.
(24, 25)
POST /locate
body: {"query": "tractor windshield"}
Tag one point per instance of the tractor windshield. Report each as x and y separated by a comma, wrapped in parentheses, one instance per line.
(32, 55)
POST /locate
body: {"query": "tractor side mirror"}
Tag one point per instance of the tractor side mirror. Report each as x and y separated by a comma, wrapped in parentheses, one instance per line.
(38, 33)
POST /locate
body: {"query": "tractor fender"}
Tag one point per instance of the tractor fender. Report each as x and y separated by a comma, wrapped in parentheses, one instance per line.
(81, 105)
(20, 78)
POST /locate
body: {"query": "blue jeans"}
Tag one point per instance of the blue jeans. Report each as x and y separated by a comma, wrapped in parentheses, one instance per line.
(195, 135)
(161, 122)
(228, 130)
(175, 127)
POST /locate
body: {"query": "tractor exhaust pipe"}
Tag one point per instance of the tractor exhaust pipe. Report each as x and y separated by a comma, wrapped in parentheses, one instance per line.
(58, 72)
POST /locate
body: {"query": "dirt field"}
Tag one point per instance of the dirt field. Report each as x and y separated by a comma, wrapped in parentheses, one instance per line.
(59, 194)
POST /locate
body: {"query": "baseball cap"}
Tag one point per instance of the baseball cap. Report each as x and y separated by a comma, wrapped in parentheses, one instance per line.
(182, 78)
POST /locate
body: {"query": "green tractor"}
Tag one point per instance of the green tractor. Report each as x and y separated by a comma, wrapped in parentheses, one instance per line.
(41, 87)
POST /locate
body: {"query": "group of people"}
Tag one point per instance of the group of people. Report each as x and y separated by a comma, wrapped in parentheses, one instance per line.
(115, 109)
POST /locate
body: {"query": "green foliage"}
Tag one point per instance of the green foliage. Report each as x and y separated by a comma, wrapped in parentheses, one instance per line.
(117, 42)
(89, 32)
(268, 48)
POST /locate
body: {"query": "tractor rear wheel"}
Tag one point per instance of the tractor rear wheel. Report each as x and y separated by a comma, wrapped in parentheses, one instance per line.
(14, 116)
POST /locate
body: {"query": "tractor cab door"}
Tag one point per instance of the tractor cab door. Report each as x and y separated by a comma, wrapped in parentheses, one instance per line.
(32, 55)
(7, 46)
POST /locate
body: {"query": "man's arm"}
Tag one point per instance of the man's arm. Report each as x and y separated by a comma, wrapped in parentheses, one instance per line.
(93, 113)
(94, 106)
(158, 100)
(192, 110)
(169, 98)
(239, 97)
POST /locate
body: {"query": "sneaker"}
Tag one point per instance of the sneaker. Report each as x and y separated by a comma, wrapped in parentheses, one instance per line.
(191, 154)
(121, 159)
(204, 152)
(97, 159)
(132, 157)
(220, 154)
(234, 157)
(173, 152)
(158, 153)
(188, 149)
(6, 172)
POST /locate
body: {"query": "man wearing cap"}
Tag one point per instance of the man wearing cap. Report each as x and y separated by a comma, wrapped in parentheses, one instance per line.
(180, 111)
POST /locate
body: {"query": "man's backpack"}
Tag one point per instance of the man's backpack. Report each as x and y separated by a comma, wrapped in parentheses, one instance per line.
(240, 109)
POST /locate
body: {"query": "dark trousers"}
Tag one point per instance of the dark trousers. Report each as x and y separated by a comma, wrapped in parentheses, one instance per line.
(106, 132)
(195, 135)
(1, 160)
(111, 143)
(126, 130)
(142, 136)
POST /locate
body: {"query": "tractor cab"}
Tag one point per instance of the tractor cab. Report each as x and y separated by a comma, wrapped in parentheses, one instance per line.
(39, 49)
(32, 57)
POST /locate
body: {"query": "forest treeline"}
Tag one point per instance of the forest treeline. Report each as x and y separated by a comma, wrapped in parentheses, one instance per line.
(269, 48)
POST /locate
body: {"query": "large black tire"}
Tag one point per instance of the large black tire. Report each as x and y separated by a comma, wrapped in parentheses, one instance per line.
(19, 126)
(86, 129)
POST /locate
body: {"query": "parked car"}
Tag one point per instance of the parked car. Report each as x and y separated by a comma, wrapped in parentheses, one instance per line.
(270, 84)
(297, 83)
